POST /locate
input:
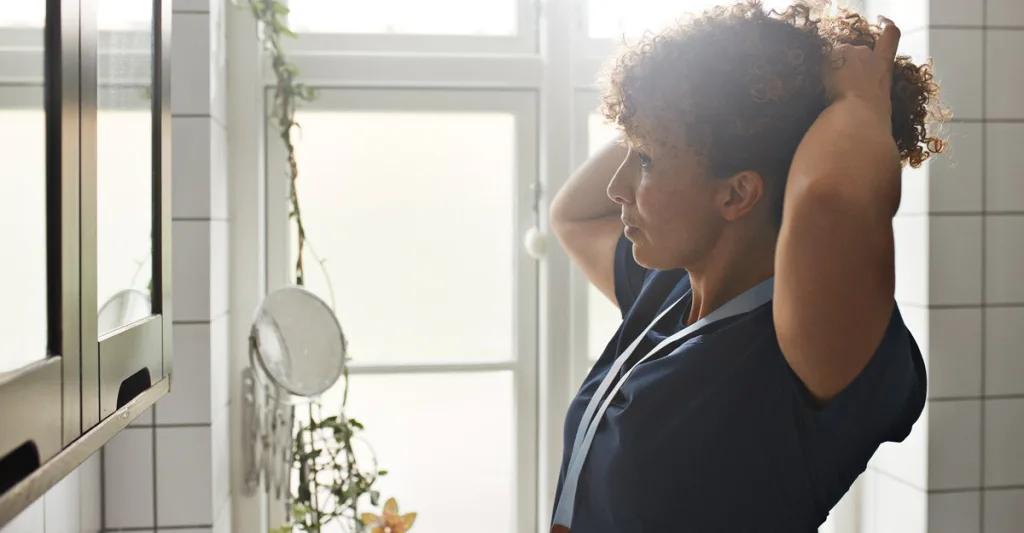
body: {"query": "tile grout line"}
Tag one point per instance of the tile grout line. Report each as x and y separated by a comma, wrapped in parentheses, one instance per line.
(153, 429)
(982, 398)
(984, 250)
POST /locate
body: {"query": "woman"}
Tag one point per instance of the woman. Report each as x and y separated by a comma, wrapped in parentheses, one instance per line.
(783, 360)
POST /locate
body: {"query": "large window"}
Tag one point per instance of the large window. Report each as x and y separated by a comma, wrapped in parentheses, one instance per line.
(412, 201)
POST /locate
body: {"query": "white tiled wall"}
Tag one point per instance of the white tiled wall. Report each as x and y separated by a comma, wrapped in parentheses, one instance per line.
(960, 261)
(168, 472)
(71, 506)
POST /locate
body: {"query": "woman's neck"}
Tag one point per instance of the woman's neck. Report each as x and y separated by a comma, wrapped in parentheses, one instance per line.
(730, 269)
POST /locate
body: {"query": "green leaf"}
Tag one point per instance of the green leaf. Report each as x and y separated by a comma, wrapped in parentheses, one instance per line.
(355, 423)
(282, 29)
(382, 472)
(280, 8)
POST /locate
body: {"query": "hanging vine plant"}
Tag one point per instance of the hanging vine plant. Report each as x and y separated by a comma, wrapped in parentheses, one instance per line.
(329, 484)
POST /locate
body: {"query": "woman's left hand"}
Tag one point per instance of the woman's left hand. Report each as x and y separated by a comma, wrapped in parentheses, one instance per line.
(865, 74)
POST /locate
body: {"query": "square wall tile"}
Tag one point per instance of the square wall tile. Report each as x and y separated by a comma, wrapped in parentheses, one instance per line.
(1004, 255)
(1004, 511)
(954, 253)
(218, 172)
(913, 43)
(957, 55)
(915, 186)
(954, 353)
(189, 399)
(955, 176)
(1002, 85)
(146, 418)
(191, 270)
(1004, 171)
(954, 512)
(91, 481)
(954, 444)
(868, 501)
(1003, 13)
(908, 14)
(63, 505)
(223, 523)
(200, 267)
(1004, 442)
(218, 61)
(219, 283)
(190, 62)
(910, 234)
(899, 507)
(31, 520)
(193, 5)
(955, 12)
(128, 479)
(220, 434)
(220, 362)
(1004, 363)
(906, 461)
(184, 465)
(191, 166)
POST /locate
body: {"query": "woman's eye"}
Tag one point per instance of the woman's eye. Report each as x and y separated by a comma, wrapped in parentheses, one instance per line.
(645, 161)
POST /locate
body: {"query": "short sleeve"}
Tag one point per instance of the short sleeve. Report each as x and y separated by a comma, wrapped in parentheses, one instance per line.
(880, 405)
(629, 275)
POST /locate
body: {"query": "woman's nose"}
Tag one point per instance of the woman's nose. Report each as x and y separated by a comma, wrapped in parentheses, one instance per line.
(620, 188)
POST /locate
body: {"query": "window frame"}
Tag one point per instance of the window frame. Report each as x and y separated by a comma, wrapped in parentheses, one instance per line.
(523, 42)
(521, 104)
(72, 402)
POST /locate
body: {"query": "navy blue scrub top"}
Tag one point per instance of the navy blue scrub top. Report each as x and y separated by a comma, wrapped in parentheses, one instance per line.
(719, 434)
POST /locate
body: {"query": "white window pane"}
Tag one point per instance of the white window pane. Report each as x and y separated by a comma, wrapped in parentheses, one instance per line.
(611, 19)
(124, 15)
(603, 317)
(450, 460)
(412, 214)
(411, 17)
(22, 230)
(28, 13)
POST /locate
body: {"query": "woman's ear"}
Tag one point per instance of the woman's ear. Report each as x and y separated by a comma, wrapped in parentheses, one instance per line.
(741, 194)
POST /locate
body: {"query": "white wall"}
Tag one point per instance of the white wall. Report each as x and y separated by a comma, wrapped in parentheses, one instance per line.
(960, 251)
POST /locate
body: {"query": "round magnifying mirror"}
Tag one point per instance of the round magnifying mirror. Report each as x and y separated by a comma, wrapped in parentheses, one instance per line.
(123, 308)
(296, 343)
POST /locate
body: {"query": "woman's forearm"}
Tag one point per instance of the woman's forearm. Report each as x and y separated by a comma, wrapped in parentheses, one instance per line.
(585, 195)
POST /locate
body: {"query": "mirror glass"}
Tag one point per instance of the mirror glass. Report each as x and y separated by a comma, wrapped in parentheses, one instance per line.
(124, 180)
(296, 343)
(22, 185)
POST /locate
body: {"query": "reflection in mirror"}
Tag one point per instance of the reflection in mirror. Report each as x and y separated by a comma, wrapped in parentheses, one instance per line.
(22, 185)
(124, 162)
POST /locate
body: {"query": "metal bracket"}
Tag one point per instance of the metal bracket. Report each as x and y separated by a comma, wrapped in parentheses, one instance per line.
(267, 425)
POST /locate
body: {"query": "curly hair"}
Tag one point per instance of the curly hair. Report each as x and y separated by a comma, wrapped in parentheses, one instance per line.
(742, 85)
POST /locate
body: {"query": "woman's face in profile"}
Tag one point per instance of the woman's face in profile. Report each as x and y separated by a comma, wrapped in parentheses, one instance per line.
(669, 205)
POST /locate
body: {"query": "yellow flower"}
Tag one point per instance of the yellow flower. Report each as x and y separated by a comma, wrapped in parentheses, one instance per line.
(389, 521)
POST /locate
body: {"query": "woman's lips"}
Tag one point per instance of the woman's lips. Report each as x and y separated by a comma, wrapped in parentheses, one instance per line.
(630, 230)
